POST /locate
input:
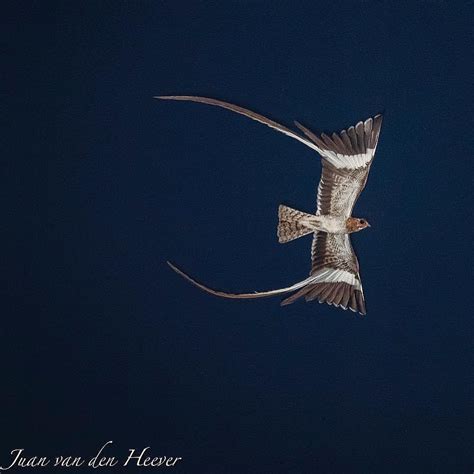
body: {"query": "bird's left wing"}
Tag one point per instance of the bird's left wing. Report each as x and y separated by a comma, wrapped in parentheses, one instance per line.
(335, 273)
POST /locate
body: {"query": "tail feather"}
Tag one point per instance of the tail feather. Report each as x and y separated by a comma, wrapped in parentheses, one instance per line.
(293, 224)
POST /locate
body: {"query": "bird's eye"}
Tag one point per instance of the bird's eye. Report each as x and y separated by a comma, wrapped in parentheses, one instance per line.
(361, 221)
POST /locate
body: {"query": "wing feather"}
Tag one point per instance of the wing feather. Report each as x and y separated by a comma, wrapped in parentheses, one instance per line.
(353, 137)
(335, 270)
(347, 158)
(341, 146)
(348, 152)
(353, 303)
(346, 297)
(241, 110)
(347, 141)
(368, 132)
(361, 137)
(253, 295)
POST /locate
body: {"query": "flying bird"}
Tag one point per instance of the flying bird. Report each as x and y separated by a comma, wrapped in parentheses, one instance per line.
(346, 160)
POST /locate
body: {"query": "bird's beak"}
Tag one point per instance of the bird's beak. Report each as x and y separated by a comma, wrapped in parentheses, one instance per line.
(368, 225)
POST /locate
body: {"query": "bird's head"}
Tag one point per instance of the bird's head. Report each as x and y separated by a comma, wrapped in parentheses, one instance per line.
(355, 224)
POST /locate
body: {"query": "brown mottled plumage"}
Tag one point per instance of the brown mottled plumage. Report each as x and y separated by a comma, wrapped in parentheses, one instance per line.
(346, 160)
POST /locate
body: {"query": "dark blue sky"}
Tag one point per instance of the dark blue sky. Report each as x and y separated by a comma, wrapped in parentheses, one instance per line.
(101, 185)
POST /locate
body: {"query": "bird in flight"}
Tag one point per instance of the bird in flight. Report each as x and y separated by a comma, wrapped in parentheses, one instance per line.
(346, 159)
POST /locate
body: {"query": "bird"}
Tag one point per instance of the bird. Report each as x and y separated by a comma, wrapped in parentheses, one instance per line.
(346, 158)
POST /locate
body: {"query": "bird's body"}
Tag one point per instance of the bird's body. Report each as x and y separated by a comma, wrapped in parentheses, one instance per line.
(347, 156)
(316, 222)
(331, 224)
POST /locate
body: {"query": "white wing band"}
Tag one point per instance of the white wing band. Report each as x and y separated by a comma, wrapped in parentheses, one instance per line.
(333, 275)
(348, 161)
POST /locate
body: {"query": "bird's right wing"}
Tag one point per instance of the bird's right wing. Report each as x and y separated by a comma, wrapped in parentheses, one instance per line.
(335, 273)
(347, 157)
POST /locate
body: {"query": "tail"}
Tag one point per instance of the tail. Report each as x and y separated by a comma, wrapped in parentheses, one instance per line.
(223, 294)
(293, 224)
